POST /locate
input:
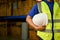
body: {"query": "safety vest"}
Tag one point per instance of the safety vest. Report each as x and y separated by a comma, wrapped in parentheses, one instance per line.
(47, 33)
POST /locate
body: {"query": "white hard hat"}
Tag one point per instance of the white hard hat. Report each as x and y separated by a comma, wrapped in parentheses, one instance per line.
(40, 19)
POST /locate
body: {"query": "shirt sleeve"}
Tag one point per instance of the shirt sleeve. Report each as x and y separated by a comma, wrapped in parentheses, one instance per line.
(33, 11)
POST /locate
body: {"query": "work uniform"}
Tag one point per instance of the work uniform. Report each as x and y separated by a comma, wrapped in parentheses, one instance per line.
(52, 12)
(47, 33)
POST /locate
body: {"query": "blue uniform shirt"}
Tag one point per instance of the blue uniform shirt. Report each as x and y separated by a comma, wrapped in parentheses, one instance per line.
(34, 9)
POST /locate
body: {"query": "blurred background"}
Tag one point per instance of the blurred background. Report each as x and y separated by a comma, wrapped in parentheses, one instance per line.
(11, 27)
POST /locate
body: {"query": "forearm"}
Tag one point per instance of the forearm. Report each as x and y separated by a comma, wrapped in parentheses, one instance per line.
(29, 21)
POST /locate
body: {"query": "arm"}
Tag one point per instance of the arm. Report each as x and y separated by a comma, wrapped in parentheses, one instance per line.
(33, 11)
(29, 21)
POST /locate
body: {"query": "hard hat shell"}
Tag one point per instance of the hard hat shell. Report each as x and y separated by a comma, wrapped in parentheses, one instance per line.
(40, 19)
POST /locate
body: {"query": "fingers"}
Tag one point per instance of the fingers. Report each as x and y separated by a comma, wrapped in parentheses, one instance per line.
(41, 27)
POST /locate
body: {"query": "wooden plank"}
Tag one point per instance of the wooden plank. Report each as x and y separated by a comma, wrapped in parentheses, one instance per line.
(3, 29)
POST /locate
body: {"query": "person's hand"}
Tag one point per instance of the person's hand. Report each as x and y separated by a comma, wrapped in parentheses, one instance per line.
(40, 27)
